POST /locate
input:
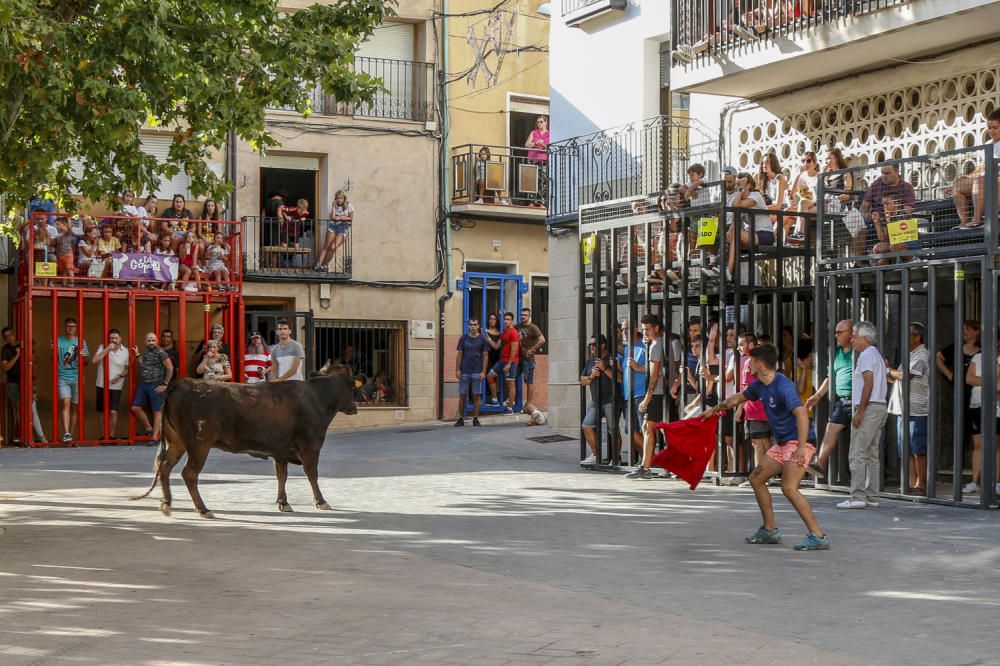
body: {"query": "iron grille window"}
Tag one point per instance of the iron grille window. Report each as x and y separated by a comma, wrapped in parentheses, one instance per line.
(374, 350)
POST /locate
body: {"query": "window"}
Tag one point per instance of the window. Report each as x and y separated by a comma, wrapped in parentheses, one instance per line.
(374, 350)
(540, 308)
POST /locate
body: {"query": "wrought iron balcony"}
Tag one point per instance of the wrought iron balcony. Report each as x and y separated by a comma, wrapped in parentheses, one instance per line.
(292, 250)
(499, 181)
(626, 161)
(408, 92)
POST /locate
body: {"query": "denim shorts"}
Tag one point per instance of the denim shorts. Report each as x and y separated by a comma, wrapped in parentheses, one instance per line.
(842, 413)
(765, 238)
(918, 435)
(509, 375)
(526, 369)
(146, 396)
(341, 228)
(469, 382)
(592, 420)
(69, 388)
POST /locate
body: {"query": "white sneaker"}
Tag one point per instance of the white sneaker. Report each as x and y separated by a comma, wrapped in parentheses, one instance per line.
(998, 489)
(872, 504)
(589, 460)
(970, 489)
(478, 201)
(504, 201)
(852, 504)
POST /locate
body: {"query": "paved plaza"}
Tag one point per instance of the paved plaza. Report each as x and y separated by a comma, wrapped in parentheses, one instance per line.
(470, 546)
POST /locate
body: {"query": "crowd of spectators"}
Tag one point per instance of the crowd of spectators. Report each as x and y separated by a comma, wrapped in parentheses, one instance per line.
(82, 247)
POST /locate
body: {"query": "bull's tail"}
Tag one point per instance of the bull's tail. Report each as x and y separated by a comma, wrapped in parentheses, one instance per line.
(160, 454)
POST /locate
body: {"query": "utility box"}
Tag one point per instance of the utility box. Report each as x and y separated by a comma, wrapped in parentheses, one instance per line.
(422, 329)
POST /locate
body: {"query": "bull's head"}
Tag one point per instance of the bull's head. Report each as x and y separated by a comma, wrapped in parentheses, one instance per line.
(347, 405)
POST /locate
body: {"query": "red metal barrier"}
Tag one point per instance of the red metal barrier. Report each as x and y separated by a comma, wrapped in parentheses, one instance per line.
(101, 303)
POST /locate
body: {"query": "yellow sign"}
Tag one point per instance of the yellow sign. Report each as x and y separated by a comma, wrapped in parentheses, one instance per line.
(903, 231)
(703, 300)
(708, 229)
(587, 246)
(45, 269)
(959, 274)
(206, 307)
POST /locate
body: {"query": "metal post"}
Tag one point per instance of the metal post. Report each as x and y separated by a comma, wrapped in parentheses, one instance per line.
(905, 389)
(958, 383)
(880, 316)
(930, 482)
(987, 480)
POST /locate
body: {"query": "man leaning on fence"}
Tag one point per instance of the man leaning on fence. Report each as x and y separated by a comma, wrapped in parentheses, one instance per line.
(869, 392)
(598, 374)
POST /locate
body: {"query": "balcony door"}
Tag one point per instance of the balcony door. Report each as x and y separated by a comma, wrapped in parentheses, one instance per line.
(294, 179)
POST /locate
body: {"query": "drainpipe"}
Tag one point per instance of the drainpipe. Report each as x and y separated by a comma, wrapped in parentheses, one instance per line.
(444, 201)
(231, 173)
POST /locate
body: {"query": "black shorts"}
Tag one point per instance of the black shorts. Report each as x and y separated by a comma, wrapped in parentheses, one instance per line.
(757, 429)
(841, 414)
(727, 423)
(114, 396)
(654, 410)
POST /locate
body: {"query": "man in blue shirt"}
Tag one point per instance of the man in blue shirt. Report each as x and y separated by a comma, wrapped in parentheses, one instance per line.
(470, 368)
(634, 381)
(795, 445)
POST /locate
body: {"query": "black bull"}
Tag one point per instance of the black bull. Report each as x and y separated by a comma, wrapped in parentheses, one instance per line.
(285, 421)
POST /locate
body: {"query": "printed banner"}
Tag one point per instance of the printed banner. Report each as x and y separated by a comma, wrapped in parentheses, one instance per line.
(587, 246)
(708, 229)
(146, 267)
(45, 269)
(903, 231)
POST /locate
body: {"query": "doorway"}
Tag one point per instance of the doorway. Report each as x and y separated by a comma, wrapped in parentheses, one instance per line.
(483, 294)
(292, 185)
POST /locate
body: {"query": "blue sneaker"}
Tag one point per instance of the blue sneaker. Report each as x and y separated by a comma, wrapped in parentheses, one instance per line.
(765, 536)
(813, 542)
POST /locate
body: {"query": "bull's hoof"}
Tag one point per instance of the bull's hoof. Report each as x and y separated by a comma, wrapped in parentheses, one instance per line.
(324, 506)
(206, 514)
(284, 507)
(164, 508)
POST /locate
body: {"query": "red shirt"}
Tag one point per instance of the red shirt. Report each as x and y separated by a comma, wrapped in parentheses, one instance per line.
(508, 338)
(753, 410)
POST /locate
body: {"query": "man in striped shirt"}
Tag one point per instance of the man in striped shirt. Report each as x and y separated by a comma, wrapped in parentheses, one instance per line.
(256, 359)
(919, 399)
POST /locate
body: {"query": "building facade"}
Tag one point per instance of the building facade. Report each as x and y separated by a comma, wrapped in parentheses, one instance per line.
(496, 92)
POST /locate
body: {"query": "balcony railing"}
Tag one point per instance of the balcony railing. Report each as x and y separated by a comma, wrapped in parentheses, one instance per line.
(294, 249)
(575, 12)
(703, 27)
(499, 175)
(938, 206)
(408, 92)
(626, 161)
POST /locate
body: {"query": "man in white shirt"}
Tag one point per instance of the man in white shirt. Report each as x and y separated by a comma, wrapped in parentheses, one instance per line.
(287, 357)
(918, 398)
(869, 394)
(112, 361)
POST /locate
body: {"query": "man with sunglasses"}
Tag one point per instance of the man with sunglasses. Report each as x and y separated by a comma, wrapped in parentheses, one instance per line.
(598, 374)
(470, 368)
(840, 408)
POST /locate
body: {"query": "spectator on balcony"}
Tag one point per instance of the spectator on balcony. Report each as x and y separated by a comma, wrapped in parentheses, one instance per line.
(107, 245)
(538, 142)
(114, 358)
(729, 174)
(178, 211)
(44, 234)
(256, 360)
(292, 222)
(970, 188)
(129, 208)
(891, 212)
(216, 256)
(188, 265)
(338, 228)
(772, 182)
(215, 364)
(65, 247)
(481, 173)
(695, 191)
(747, 196)
(889, 184)
(269, 219)
(149, 208)
(137, 238)
(842, 184)
(802, 196)
(87, 254)
(209, 211)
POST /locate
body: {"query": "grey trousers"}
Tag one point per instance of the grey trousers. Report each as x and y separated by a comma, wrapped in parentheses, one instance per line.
(863, 456)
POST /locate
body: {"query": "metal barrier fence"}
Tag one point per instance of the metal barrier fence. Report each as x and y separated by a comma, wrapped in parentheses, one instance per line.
(627, 161)
(703, 27)
(293, 249)
(504, 175)
(917, 208)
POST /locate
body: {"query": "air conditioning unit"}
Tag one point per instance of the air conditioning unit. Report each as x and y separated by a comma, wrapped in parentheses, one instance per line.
(423, 330)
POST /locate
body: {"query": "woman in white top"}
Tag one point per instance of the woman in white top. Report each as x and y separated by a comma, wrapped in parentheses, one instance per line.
(338, 228)
(148, 209)
(747, 196)
(87, 247)
(974, 378)
(802, 194)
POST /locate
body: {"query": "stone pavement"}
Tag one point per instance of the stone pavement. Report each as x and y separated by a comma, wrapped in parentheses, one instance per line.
(470, 546)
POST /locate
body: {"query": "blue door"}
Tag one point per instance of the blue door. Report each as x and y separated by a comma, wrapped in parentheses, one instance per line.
(485, 294)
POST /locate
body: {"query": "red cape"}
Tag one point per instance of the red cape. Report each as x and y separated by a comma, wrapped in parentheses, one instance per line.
(690, 444)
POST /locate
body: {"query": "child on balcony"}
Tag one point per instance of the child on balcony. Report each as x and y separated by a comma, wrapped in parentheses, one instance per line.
(215, 262)
(88, 254)
(188, 270)
(65, 247)
(337, 231)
